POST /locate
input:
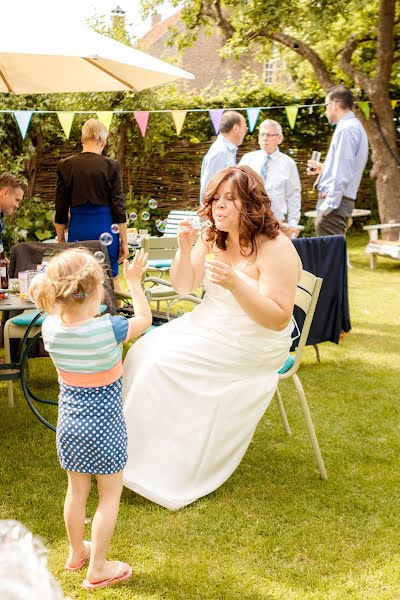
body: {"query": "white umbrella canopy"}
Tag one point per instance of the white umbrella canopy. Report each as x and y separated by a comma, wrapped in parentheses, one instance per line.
(43, 58)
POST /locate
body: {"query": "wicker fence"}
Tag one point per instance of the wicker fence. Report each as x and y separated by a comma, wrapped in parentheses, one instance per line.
(174, 178)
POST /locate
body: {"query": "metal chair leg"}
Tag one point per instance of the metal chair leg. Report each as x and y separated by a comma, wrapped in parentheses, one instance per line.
(282, 412)
(7, 355)
(315, 346)
(310, 426)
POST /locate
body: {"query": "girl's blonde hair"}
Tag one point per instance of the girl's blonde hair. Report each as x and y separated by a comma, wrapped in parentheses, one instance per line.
(94, 130)
(72, 277)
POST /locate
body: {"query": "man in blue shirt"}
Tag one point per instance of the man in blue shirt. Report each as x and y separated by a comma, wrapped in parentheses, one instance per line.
(222, 152)
(344, 165)
(12, 191)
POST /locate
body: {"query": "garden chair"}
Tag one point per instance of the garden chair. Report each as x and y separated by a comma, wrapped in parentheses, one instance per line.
(173, 220)
(161, 251)
(307, 294)
(378, 247)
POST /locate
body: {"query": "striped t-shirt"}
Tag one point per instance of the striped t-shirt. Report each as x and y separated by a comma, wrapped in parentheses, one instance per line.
(88, 354)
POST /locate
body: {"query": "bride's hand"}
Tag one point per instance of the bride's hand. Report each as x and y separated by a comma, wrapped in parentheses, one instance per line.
(221, 274)
(187, 236)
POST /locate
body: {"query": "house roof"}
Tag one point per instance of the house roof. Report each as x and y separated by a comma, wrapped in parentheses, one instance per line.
(158, 31)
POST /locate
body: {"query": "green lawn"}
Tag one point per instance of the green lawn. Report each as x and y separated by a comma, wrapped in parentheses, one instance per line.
(274, 530)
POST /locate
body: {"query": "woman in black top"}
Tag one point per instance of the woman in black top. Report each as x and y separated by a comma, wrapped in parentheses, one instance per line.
(89, 196)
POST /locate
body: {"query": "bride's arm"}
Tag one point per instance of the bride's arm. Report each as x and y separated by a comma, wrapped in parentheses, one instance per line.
(279, 266)
(187, 270)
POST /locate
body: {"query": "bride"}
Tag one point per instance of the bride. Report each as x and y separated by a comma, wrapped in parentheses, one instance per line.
(195, 388)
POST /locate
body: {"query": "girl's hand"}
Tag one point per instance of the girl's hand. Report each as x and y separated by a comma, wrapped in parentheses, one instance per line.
(187, 236)
(134, 270)
(221, 274)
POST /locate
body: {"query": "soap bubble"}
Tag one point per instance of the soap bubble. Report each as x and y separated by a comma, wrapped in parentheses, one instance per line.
(133, 216)
(106, 238)
(158, 221)
(153, 203)
(99, 256)
(199, 223)
(145, 215)
(115, 228)
(161, 227)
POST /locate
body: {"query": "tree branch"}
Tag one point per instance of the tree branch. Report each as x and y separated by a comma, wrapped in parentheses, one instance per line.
(385, 41)
(347, 67)
(304, 50)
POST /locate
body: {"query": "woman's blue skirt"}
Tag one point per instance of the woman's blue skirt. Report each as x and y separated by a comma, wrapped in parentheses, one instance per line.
(88, 222)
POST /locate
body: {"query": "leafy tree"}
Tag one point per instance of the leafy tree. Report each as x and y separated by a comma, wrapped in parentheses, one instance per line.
(352, 41)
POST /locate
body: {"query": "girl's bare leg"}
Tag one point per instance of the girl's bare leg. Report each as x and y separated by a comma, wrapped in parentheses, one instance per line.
(75, 513)
(110, 488)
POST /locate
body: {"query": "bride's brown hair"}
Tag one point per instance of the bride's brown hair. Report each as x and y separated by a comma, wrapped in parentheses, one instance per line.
(256, 216)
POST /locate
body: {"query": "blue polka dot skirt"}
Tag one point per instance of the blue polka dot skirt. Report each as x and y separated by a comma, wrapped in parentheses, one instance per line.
(91, 431)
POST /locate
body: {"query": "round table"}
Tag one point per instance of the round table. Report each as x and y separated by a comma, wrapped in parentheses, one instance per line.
(357, 212)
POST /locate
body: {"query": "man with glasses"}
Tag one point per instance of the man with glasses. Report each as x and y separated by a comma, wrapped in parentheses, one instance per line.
(222, 152)
(341, 173)
(280, 175)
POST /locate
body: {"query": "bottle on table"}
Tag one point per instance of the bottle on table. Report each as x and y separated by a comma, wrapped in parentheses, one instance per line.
(3, 273)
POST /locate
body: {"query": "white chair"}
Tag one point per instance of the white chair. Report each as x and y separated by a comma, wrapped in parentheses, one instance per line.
(378, 247)
(307, 294)
(173, 220)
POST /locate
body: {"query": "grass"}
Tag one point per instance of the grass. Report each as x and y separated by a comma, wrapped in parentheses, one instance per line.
(274, 531)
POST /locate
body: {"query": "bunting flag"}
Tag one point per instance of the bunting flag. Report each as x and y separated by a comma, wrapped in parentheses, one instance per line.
(66, 118)
(105, 117)
(364, 106)
(291, 113)
(252, 116)
(393, 103)
(216, 116)
(179, 117)
(311, 110)
(23, 118)
(142, 118)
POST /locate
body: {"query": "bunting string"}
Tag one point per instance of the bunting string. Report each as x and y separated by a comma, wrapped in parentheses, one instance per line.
(23, 117)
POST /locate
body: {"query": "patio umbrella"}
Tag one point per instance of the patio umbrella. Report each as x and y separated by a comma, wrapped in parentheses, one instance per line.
(42, 57)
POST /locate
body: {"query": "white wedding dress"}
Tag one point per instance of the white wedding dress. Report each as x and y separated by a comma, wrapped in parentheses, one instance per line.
(194, 391)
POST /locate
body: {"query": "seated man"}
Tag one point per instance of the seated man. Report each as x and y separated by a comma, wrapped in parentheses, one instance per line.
(280, 174)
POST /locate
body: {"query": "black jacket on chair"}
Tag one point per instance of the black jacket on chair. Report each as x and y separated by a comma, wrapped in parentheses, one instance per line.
(326, 257)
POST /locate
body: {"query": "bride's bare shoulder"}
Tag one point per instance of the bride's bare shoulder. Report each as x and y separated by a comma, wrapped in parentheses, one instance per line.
(280, 244)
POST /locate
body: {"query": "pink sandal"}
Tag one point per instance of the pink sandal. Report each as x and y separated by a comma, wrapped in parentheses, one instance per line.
(78, 566)
(123, 572)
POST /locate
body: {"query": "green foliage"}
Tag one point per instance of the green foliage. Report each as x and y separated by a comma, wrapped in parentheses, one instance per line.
(140, 205)
(33, 221)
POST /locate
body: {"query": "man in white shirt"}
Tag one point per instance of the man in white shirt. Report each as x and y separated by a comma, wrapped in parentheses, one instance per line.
(222, 152)
(280, 174)
(344, 165)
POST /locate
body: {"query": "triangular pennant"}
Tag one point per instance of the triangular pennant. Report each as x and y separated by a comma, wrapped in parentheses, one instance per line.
(66, 118)
(252, 116)
(291, 113)
(216, 116)
(105, 117)
(23, 118)
(393, 103)
(364, 106)
(310, 109)
(142, 118)
(179, 117)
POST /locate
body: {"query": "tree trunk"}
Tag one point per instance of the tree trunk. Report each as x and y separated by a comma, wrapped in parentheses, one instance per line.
(386, 169)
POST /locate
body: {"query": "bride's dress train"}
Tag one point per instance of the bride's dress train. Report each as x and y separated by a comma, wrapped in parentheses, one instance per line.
(194, 391)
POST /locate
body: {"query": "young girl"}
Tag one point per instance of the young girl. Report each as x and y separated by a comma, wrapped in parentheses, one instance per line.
(91, 432)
